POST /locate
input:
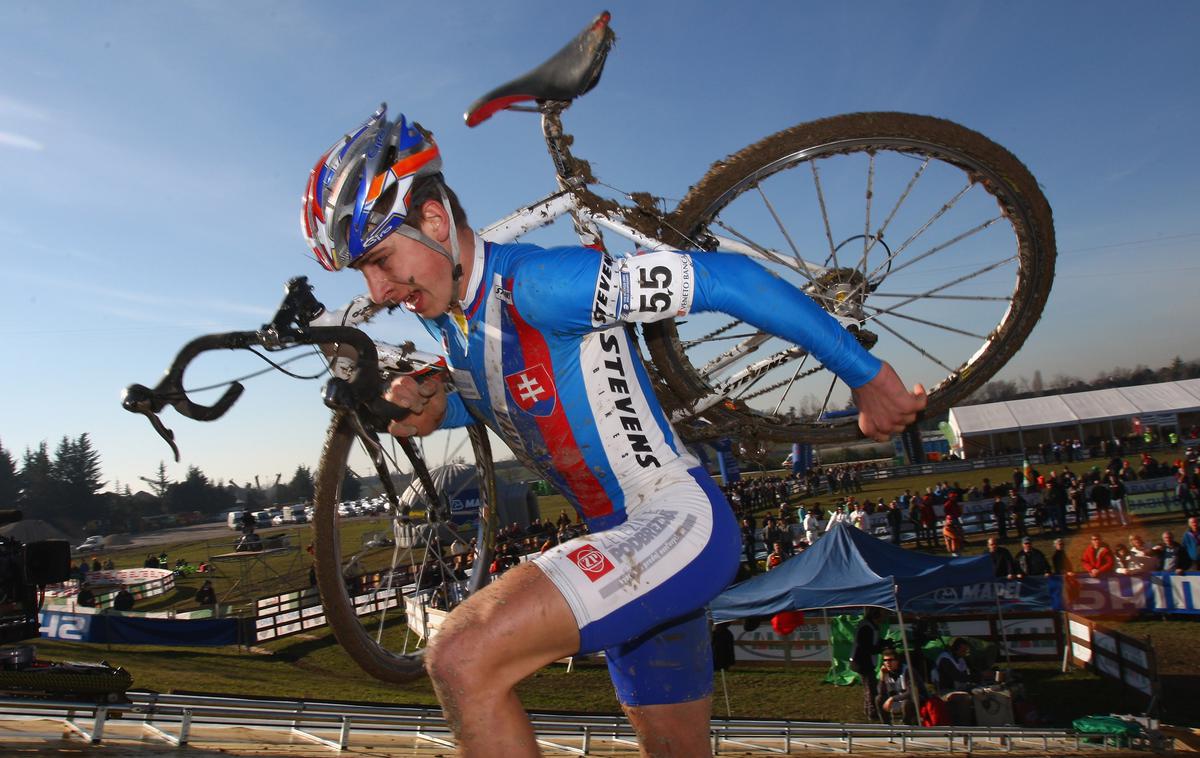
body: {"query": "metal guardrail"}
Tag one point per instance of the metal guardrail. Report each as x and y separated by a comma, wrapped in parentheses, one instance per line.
(172, 718)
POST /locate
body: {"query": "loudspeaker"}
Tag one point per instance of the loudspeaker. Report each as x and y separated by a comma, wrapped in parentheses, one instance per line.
(47, 562)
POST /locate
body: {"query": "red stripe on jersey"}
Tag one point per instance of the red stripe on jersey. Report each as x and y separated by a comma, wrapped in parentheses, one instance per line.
(565, 454)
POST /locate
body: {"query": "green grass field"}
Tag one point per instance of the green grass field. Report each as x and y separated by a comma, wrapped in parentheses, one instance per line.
(314, 666)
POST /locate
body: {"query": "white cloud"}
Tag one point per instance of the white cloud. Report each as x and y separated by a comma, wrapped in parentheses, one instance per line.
(8, 139)
(108, 297)
(11, 107)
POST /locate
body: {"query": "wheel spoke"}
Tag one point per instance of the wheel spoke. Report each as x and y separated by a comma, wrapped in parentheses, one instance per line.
(711, 335)
(770, 255)
(938, 248)
(931, 323)
(896, 208)
(921, 230)
(803, 264)
(703, 340)
(867, 218)
(949, 284)
(816, 175)
(996, 298)
(791, 381)
(913, 345)
(828, 394)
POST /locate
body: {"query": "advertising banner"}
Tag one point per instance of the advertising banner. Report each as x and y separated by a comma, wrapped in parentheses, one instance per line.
(1112, 595)
(137, 630)
(1123, 595)
(1012, 595)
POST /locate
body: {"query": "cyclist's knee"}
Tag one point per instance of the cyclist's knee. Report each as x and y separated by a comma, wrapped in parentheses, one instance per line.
(454, 655)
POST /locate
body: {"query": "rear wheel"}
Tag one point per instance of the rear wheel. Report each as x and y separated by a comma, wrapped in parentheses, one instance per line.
(365, 605)
(930, 242)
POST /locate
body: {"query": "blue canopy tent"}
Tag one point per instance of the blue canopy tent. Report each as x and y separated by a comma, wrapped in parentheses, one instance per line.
(848, 567)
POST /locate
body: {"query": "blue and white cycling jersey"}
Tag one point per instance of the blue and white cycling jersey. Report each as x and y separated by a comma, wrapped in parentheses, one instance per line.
(541, 353)
(544, 358)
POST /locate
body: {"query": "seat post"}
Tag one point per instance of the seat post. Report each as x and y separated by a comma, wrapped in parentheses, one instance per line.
(566, 166)
(574, 174)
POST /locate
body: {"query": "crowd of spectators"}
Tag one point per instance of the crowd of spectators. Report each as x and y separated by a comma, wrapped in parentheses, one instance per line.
(781, 516)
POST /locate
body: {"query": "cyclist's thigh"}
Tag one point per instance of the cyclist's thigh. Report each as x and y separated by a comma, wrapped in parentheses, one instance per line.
(677, 549)
(671, 664)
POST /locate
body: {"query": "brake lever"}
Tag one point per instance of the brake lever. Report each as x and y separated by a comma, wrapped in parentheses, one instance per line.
(140, 399)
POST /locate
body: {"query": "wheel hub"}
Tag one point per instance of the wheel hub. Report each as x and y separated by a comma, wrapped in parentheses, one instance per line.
(843, 292)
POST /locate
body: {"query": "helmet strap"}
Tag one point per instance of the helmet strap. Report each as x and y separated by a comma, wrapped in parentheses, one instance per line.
(455, 253)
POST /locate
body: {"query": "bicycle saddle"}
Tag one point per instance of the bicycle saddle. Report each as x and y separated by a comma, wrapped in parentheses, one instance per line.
(571, 72)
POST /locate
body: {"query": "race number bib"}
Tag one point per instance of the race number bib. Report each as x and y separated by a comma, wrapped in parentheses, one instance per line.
(645, 287)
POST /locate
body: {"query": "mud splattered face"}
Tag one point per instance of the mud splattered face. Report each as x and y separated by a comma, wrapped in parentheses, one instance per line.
(402, 271)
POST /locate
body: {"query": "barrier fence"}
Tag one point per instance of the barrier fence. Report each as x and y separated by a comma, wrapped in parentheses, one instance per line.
(1116, 656)
(300, 610)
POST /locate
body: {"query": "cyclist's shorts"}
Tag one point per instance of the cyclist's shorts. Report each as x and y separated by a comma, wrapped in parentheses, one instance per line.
(638, 590)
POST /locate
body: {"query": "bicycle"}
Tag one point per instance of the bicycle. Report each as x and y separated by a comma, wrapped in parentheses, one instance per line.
(1002, 236)
(358, 367)
(712, 393)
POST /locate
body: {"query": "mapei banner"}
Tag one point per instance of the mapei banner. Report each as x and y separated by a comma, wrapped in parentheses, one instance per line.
(1013, 595)
(1112, 595)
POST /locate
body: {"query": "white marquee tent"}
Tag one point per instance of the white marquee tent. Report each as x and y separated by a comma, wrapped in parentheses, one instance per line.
(1079, 414)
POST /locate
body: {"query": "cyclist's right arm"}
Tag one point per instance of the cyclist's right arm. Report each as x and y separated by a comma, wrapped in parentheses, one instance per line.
(430, 408)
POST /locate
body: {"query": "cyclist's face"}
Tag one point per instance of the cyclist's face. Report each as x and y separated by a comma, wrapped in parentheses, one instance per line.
(402, 271)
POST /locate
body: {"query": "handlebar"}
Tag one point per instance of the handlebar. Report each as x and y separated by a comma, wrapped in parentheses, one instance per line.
(290, 327)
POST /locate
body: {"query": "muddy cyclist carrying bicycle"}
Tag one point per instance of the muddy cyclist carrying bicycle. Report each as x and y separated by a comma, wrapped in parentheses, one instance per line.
(537, 346)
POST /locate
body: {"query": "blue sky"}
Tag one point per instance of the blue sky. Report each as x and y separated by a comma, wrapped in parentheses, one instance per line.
(154, 155)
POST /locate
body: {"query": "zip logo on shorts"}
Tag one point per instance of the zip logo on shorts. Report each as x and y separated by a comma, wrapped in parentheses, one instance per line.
(593, 563)
(533, 390)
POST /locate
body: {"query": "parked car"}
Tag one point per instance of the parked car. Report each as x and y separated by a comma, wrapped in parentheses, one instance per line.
(95, 542)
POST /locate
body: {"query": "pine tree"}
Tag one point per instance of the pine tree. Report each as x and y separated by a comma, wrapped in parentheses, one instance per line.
(1177, 370)
(38, 488)
(301, 485)
(76, 469)
(351, 488)
(159, 485)
(192, 494)
(10, 485)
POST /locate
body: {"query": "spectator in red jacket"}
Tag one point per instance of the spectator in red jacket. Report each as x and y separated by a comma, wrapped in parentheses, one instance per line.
(1098, 558)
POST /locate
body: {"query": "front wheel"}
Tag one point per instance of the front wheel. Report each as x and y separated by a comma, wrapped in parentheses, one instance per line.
(367, 570)
(931, 243)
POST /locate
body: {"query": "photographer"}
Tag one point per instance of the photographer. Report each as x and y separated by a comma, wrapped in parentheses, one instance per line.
(894, 694)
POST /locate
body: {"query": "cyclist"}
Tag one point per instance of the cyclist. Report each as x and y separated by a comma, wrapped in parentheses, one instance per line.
(536, 345)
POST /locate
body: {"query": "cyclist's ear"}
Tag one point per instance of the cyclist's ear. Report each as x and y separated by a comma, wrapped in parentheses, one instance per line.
(435, 219)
